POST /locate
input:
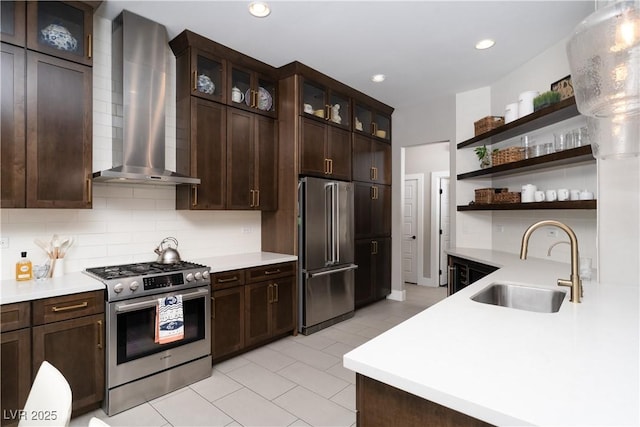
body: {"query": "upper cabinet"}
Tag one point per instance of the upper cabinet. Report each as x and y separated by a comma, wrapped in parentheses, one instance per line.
(62, 29)
(252, 90)
(207, 73)
(320, 102)
(12, 22)
(370, 121)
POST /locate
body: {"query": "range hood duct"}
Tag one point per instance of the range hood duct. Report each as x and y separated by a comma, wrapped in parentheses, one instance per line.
(139, 75)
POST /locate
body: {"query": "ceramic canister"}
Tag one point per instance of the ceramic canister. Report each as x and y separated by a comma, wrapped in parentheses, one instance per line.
(525, 102)
(528, 191)
(510, 112)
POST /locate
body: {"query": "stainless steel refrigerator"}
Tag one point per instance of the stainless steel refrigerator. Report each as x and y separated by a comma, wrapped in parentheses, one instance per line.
(326, 280)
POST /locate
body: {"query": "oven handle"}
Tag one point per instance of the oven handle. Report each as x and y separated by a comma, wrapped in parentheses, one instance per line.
(127, 307)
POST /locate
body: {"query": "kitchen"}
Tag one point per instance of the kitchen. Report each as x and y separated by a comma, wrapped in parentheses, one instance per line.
(127, 222)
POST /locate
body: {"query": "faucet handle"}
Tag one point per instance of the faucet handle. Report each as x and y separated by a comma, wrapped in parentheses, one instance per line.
(575, 294)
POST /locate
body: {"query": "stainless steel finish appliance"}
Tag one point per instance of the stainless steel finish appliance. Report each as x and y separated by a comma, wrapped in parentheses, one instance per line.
(138, 369)
(326, 281)
(138, 61)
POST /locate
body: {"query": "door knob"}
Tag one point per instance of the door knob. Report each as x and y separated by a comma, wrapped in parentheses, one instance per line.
(413, 237)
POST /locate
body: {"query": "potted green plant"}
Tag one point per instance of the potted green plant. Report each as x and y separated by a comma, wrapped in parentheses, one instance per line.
(545, 99)
(484, 155)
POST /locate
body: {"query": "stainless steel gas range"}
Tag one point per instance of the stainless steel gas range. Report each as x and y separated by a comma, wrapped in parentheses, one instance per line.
(138, 368)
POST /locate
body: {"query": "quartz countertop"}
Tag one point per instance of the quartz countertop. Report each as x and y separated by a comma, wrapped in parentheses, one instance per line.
(577, 367)
(13, 291)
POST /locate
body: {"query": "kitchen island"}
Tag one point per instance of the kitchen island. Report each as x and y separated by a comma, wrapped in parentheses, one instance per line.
(579, 366)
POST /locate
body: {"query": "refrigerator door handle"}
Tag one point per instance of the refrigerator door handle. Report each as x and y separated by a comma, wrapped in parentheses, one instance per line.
(336, 223)
(337, 270)
(329, 243)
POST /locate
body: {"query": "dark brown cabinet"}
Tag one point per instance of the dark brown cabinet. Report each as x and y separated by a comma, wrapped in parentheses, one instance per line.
(201, 151)
(227, 314)
(368, 120)
(62, 29)
(15, 360)
(320, 102)
(373, 275)
(12, 24)
(252, 90)
(371, 160)
(251, 161)
(325, 150)
(372, 207)
(463, 272)
(207, 74)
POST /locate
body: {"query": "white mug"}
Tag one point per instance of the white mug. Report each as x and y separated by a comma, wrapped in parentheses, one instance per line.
(551, 196)
(574, 195)
(308, 108)
(236, 95)
(528, 191)
(586, 195)
(510, 112)
(539, 196)
(563, 194)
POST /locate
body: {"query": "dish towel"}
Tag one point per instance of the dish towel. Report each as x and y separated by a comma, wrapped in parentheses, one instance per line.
(169, 319)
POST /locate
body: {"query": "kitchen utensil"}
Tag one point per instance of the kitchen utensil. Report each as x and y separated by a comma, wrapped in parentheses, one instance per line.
(574, 195)
(528, 192)
(586, 195)
(64, 246)
(560, 141)
(167, 255)
(525, 143)
(57, 267)
(525, 102)
(44, 246)
(563, 194)
(538, 196)
(510, 112)
(40, 271)
(551, 196)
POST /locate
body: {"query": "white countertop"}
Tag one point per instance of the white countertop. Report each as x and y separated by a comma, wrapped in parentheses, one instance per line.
(579, 366)
(12, 291)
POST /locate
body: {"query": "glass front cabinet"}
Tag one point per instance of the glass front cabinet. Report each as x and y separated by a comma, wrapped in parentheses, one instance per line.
(368, 121)
(12, 22)
(252, 91)
(207, 75)
(322, 103)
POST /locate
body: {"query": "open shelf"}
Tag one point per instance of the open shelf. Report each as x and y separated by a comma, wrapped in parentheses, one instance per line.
(574, 155)
(572, 204)
(555, 113)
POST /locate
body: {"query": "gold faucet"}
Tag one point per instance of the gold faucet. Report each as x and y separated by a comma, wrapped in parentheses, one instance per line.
(575, 283)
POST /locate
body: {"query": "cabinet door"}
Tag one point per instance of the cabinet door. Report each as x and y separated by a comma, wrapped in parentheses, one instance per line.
(382, 266)
(381, 153)
(227, 318)
(76, 348)
(362, 202)
(15, 360)
(12, 142)
(208, 154)
(59, 133)
(381, 210)
(265, 94)
(62, 29)
(314, 99)
(207, 75)
(240, 159)
(258, 312)
(339, 153)
(266, 164)
(312, 151)
(12, 24)
(364, 280)
(362, 158)
(283, 306)
(339, 110)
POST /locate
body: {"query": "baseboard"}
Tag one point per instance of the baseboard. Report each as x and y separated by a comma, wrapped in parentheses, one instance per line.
(397, 295)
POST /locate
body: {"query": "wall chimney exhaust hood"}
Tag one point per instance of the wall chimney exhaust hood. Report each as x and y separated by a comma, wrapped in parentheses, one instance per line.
(139, 75)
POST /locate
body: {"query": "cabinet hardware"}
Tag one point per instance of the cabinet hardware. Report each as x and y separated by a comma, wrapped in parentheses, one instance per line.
(69, 307)
(100, 339)
(326, 166)
(269, 272)
(375, 173)
(275, 286)
(374, 128)
(374, 192)
(231, 279)
(195, 195)
(257, 198)
(374, 247)
(252, 204)
(254, 99)
(270, 294)
(213, 307)
(195, 80)
(89, 190)
(89, 46)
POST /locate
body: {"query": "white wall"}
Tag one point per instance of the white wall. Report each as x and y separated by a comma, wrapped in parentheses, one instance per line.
(127, 221)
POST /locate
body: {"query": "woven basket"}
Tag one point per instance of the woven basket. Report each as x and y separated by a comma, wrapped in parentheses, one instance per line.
(508, 197)
(508, 155)
(488, 123)
(487, 195)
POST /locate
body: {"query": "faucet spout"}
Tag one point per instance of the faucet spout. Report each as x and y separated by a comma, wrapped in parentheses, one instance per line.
(575, 283)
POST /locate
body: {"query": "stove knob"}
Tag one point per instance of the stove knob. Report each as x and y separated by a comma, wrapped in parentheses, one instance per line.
(118, 288)
(134, 285)
(198, 275)
(189, 277)
(205, 274)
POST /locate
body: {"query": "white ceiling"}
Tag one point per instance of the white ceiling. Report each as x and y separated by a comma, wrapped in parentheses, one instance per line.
(425, 48)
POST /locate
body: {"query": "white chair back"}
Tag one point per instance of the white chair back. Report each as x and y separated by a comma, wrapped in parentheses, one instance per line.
(49, 400)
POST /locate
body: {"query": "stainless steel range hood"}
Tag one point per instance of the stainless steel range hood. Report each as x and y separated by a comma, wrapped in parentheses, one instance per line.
(139, 76)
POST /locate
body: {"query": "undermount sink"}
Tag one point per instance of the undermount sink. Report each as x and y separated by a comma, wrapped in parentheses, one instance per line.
(520, 297)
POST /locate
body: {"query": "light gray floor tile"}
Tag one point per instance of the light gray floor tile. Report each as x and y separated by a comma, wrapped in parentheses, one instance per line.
(231, 364)
(234, 424)
(345, 337)
(83, 420)
(282, 344)
(314, 409)
(339, 349)
(141, 415)
(312, 357)
(341, 372)
(261, 380)
(369, 332)
(317, 341)
(268, 358)
(346, 397)
(190, 409)
(299, 423)
(326, 385)
(349, 326)
(216, 386)
(251, 409)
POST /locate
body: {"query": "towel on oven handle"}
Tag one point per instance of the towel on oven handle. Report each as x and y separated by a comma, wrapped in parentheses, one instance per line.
(169, 319)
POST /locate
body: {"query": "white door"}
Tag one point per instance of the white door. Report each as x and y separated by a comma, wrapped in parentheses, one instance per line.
(409, 232)
(444, 228)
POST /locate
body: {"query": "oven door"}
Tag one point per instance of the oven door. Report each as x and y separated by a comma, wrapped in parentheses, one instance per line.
(132, 352)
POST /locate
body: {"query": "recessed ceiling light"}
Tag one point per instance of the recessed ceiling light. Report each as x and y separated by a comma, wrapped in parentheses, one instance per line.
(378, 78)
(259, 9)
(485, 44)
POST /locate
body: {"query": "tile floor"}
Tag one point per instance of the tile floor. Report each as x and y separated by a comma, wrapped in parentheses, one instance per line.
(296, 381)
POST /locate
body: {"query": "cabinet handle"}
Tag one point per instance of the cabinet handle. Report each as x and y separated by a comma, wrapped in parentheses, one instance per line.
(326, 166)
(375, 173)
(100, 339)
(275, 286)
(270, 294)
(270, 272)
(330, 166)
(450, 279)
(69, 307)
(257, 198)
(374, 247)
(327, 112)
(253, 198)
(374, 192)
(195, 80)
(195, 195)
(254, 99)
(89, 46)
(89, 190)
(231, 279)
(213, 307)
(374, 128)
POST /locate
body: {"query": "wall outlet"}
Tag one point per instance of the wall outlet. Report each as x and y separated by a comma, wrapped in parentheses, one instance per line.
(4, 243)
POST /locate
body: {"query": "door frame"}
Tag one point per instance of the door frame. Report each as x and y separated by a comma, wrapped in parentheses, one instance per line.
(419, 177)
(436, 177)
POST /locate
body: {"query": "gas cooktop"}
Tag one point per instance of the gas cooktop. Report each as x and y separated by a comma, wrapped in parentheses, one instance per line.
(140, 269)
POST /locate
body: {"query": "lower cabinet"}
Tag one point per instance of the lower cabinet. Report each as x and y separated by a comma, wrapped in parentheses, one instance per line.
(463, 272)
(373, 275)
(250, 307)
